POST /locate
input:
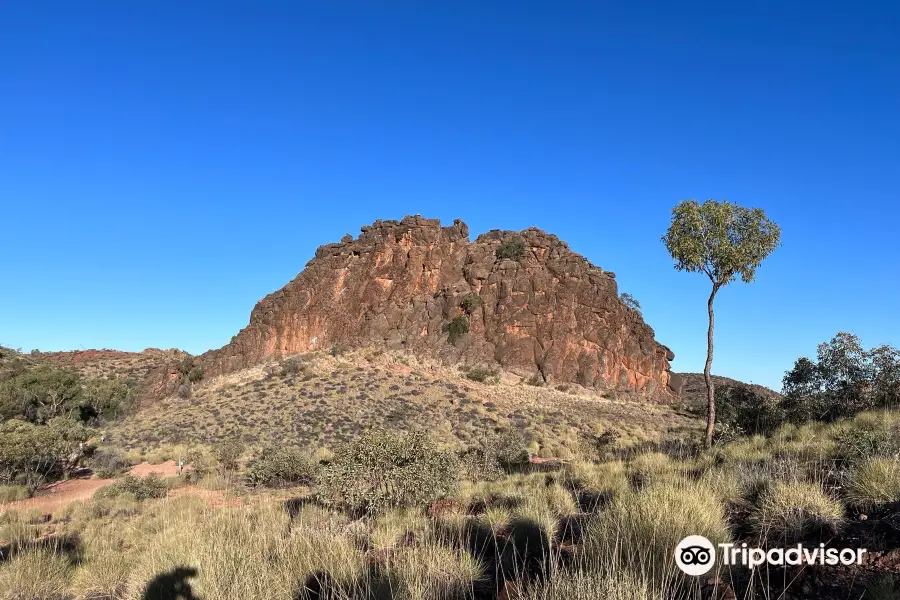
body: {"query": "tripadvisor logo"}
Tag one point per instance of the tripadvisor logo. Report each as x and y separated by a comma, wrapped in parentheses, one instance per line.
(696, 555)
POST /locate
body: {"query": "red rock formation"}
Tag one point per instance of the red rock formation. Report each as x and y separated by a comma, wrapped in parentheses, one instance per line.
(400, 283)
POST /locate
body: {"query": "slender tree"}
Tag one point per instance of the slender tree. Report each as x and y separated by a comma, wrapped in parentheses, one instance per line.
(723, 241)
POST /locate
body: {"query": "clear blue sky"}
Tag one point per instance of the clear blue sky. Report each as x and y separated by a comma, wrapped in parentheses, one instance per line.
(164, 165)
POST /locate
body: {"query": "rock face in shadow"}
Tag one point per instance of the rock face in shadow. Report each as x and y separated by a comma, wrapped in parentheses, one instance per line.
(549, 313)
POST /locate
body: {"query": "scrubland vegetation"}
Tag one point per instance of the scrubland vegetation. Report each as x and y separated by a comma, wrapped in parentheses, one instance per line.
(409, 512)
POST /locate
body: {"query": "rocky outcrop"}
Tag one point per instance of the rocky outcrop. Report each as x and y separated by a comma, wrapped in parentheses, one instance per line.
(547, 311)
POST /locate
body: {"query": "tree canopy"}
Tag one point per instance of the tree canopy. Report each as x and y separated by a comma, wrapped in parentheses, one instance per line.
(720, 239)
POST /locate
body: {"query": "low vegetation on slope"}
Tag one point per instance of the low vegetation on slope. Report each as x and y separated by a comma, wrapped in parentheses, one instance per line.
(322, 401)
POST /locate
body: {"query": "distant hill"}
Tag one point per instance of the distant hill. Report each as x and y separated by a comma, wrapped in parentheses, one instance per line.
(693, 390)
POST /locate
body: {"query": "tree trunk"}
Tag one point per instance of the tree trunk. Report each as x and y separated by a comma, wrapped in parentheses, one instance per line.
(710, 390)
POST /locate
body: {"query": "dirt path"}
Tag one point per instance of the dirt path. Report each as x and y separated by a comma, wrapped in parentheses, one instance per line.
(61, 494)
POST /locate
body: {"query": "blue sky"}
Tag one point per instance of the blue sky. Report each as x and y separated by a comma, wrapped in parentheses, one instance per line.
(164, 165)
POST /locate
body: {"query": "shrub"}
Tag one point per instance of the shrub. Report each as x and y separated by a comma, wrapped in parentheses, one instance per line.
(854, 444)
(509, 447)
(536, 380)
(195, 374)
(843, 380)
(228, 454)
(281, 466)
(105, 398)
(471, 302)
(480, 374)
(142, 488)
(456, 328)
(107, 464)
(39, 394)
(629, 301)
(512, 249)
(184, 391)
(292, 366)
(790, 511)
(382, 470)
(747, 411)
(876, 481)
(32, 454)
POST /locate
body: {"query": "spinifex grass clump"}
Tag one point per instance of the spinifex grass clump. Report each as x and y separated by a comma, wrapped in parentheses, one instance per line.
(789, 511)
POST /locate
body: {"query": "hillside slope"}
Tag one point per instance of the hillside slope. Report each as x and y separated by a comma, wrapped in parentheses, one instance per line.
(332, 399)
(693, 389)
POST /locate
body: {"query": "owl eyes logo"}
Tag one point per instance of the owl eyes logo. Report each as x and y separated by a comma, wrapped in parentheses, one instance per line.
(695, 555)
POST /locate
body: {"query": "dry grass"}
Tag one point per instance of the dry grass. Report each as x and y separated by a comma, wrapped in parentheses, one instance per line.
(790, 510)
(327, 403)
(876, 481)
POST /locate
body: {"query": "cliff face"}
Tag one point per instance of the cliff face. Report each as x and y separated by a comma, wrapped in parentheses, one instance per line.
(400, 283)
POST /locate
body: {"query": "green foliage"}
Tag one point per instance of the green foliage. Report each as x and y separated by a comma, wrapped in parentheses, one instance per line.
(512, 249)
(456, 328)
(845, 379)
(292, 366)
(195, 374)
(40, 393)
(31, 454)
(228, 454)
(382, 470)
(629, 301)
(509, 447)
(279, 466)
(480, 374)
(106, 398)
(854, 445)
(720, 239)
(143, 488)
(746, 411)
(471, 302)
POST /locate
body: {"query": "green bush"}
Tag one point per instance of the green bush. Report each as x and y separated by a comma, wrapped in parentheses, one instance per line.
(33, 454)
(509, 447)
(843, 380)
(471, 302)
(39, 394)
(745, 411)
(382, 470)
(512, 249)
(629, 301)
(854, 445)
(195, 374)
(281, 466)
(456, 328)
(228, 454)
(292, 366)
(143, 488)
(480, 374)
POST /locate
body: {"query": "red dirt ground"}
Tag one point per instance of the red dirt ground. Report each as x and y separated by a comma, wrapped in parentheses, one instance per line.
(59, 495)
